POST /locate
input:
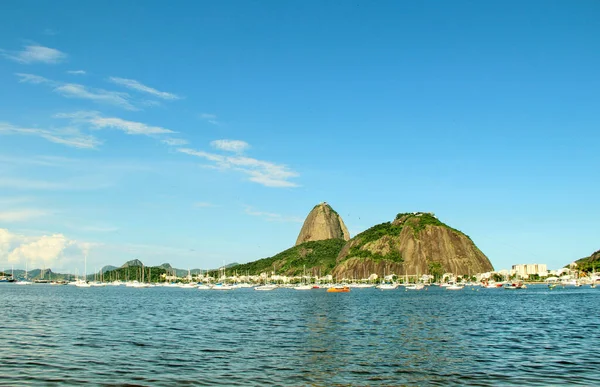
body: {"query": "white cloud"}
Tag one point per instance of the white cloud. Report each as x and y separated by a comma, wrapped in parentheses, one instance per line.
(22, 215)
(65, 136)
(32, 78)
(272, 217)
(35, 54)
(135, 85)
(76, 72)
(175, 141)
(51, 250)
(44, 251)
(80, 184)
(73, 90)
(203, 205)
(98, 122)
(230, 145)
(262, 172)
(210, 118)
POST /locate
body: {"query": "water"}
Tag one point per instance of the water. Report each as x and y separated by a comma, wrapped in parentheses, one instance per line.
(170, 336)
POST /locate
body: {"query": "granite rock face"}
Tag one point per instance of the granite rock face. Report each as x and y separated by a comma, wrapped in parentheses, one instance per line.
(322, 223)
(410, 245)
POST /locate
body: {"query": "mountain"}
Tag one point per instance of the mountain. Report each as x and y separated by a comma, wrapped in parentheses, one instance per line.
(108, 268)
(322, 223)
(591, 263)
(414, 243)
(132, 263)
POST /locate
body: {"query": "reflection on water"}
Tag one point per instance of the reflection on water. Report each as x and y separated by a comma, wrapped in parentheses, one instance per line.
(170, 336)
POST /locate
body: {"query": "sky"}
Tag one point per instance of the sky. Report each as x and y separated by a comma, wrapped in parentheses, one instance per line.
(203, 132)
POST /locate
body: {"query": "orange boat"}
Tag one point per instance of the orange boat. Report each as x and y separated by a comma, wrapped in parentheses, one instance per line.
(338, 289)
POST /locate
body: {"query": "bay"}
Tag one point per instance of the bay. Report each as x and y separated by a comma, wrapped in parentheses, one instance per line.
(57, 335)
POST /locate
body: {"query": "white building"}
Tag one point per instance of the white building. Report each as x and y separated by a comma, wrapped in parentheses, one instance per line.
(525, 270)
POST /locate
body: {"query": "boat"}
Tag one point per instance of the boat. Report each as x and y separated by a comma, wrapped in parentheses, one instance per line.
(24, 281)
(417, 286)
(266, 287)
(386, 286)
(203, 287)
(454, 287)
(303, 287)
(515, 285)
(221, 286)
(338, 289)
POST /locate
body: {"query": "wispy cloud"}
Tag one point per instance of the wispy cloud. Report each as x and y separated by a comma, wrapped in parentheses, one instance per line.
(75, 90)
(77, 72)
(138, 86)
(35, 54)
(65, 136)
(272, 217)
(210, 118)
(50, 32)
(22, 215)
(34, 79)
(175, 141)
(262, 172)
(84, 184)
(203, 205)
(230, 145)
(99, 122)
(99, 228)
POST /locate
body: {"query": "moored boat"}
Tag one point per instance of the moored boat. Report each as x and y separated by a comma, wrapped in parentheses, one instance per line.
(338, 289)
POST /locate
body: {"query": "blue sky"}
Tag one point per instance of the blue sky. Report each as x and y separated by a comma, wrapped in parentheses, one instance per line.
(198, 133)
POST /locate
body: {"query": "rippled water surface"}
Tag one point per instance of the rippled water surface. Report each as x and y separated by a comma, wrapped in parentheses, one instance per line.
(171, 336)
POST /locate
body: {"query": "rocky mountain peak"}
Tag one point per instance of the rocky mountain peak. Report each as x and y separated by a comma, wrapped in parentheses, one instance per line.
(322, 223)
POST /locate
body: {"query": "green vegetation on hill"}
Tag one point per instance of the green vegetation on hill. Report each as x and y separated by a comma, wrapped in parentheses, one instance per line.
(372, 234)
(315, 255)
(420, 220)
(589, 264)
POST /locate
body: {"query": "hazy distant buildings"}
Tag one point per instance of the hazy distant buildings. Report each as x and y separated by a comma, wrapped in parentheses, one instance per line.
(524, 271)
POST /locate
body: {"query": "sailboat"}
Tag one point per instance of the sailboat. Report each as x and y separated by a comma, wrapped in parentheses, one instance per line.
(82, 283)
(304, 285)
(24, 281)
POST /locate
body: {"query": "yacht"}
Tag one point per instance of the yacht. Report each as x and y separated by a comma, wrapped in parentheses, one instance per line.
(387, 286)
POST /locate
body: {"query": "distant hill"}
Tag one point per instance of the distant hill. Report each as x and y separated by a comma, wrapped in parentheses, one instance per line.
(108, 268)
(132, 263)
(589, 264)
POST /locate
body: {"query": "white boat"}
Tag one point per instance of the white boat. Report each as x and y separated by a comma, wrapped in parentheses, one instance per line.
(303, 287)
(222, 287)
(266, 287)
(24, 281)
(190, 285)
(82, 284)
(97, 284)
(116, 283)
(387, 286)
(417, 286)
(204, 287)
(455, 287)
